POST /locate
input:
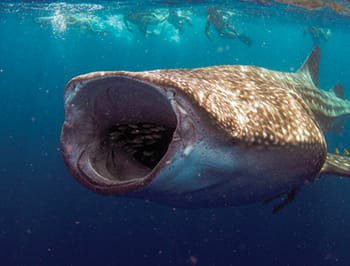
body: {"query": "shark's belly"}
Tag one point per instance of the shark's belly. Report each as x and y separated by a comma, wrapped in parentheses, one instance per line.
(215, 176)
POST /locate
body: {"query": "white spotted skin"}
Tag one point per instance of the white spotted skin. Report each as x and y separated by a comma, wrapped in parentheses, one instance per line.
(275, 144)
(268, 135)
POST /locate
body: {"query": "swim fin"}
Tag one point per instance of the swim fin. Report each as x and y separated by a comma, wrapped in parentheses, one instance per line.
(245, 39)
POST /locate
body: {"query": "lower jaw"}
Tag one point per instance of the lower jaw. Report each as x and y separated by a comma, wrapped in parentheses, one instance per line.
(117, 162)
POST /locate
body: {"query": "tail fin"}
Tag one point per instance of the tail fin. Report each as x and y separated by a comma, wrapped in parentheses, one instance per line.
(336, 165)
(311, 66)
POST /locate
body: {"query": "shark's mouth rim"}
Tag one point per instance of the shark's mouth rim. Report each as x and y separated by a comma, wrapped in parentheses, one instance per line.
(76, 157)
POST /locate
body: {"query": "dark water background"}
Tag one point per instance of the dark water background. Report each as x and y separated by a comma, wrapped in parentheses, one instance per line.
(47, 218)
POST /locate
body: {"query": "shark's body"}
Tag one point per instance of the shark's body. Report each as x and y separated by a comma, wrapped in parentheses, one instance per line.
(231, 134)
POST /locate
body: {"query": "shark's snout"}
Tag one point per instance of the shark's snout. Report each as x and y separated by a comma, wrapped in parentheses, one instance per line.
(119, 132)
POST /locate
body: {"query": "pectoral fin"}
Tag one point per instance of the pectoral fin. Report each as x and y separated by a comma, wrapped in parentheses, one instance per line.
(336, 165)
(285, 201)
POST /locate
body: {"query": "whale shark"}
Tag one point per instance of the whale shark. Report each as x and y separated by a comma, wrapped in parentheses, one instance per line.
(215, 136)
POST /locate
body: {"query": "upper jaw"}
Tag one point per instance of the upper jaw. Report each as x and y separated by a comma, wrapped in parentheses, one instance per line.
(95, 104)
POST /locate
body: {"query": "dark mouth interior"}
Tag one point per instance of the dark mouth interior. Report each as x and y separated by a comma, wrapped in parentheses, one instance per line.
(132, 125)
(131, 151)
(145, 143)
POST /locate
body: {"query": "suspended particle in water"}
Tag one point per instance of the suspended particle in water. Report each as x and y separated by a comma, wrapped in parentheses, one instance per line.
(193, 260)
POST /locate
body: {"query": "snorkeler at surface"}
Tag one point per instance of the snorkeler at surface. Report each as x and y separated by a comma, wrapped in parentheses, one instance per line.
(318, 34)
(222, 21)
(83, 21)
(144, 19)
(179, 18)
(89, 22)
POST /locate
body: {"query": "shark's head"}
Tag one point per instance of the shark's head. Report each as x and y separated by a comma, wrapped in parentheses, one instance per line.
(122, 132)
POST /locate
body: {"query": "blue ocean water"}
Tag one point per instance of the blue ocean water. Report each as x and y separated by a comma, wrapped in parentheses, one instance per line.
(47, 218)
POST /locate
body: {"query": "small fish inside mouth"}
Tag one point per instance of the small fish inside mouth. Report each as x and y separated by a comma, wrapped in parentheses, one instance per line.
(144, 142)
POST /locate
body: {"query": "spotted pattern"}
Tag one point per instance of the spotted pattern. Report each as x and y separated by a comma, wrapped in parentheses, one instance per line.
(337, 164)
(255, 106)
(325, 105)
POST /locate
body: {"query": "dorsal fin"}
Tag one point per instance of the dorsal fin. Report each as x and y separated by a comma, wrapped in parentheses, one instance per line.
(338, 90)
(312, 65)
(336, 165)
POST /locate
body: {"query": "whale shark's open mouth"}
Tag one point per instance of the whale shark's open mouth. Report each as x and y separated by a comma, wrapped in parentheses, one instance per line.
(118, 132)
